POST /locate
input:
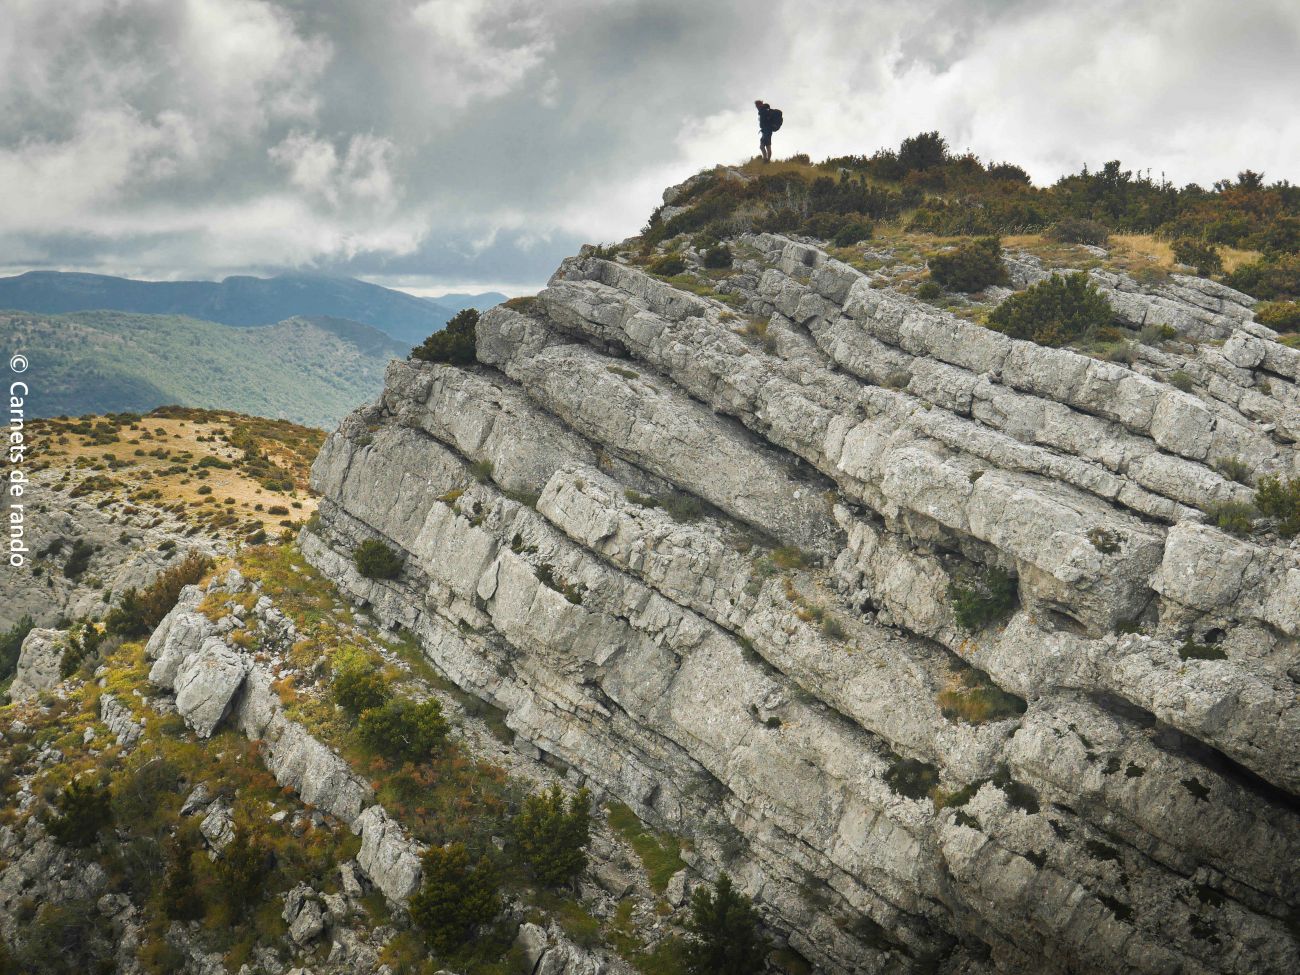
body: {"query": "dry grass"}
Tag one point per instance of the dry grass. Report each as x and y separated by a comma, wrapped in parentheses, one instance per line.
(175, 476)
(1149, 250)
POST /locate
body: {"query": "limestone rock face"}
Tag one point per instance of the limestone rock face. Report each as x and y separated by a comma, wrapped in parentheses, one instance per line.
(719, 557)
(39, 660)
(205, 683)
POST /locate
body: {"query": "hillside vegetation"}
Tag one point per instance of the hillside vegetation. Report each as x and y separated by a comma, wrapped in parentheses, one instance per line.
(308, 371)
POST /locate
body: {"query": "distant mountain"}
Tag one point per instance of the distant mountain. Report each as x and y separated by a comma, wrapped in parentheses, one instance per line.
(456, 302)
(241, 301)
(308, 370)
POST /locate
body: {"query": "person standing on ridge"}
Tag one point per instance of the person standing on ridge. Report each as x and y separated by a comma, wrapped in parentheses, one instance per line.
(769, 120)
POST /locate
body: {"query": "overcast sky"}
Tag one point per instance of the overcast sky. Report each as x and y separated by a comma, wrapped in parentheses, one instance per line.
(460, 144)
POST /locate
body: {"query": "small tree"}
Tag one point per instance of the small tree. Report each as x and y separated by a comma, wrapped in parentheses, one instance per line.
(1280, 499)
(923, 151)
(83, 810)
(552, 838)
(725, 939)
(375, 560)
(454, 898)
(455, 344)
(11, 642)
(358, 688)
(403, 730)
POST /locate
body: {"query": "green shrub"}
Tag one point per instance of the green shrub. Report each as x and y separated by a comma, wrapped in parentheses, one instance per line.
(84, 639)
(455, 344)
(912, 778)
(1235, 517)
(552, 837)
(358, 688)
(243, 868)
(928, 291)
(1053, 312)
(1181, 381)
(404, 730)
(138, 613)
(983, 598)
(11, 642)
(1078, 230)
(1281, 316)
(454, 897)
(972, 266)
(1200, 254)
(718, 257)
(179, 893)
(1272, 277)
(82, 811)
(78, 559)
(375, 560)
(1236, 469)
(725, 939)
(667, 266)
(1280, 500)
(851, 230)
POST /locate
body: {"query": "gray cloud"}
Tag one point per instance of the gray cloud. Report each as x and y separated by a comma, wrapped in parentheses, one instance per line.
(448, 141)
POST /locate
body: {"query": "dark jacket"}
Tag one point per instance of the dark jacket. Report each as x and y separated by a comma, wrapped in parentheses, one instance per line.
(765, 121)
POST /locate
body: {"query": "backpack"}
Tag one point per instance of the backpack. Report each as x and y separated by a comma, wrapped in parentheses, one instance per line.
(774, 118)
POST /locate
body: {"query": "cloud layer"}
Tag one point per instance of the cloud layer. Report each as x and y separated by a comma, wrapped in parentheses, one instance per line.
(442, 142)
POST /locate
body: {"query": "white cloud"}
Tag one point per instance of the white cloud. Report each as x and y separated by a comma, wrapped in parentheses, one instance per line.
(481, 137)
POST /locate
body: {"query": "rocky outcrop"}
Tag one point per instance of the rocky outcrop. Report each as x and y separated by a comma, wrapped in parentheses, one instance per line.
(705, 552)
(39, 661)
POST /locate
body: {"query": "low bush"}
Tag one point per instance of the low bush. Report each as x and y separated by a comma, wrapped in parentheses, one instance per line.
(375, 560)
(139, 612)
(358, 688)
(243, 869)
(1078, 230)
(718, 257)
(1235, 517)
(1053, 312)
(552, 836)
(455, 344)
(404, 730)
(1282, 316)
(1280, 500)
(724, 933)
(1199, 254)
(81, 811)
(78, 559)
(982, 598)
(454, 898)
(971, 266)
(667, 266)
(1272, 277)
(912, 778)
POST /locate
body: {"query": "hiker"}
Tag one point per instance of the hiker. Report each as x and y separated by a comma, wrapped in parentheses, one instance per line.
(769, 120)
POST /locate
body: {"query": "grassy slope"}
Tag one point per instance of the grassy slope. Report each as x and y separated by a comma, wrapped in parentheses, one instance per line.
(301, 370)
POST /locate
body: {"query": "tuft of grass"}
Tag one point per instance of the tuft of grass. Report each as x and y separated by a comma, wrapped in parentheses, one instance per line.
(1235, 517)
(660, 853)
(974, 698)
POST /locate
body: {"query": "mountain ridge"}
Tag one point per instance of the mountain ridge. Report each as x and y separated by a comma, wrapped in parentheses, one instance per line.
(239, 300)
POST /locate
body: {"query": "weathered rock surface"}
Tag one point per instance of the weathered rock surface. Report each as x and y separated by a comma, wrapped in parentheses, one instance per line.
(39, 660)
(714, 575)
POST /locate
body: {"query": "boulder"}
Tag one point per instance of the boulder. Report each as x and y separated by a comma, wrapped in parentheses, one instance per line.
(39, 660)
(205, 684)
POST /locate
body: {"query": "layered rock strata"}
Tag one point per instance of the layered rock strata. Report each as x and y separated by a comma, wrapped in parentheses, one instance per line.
(704, 552)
